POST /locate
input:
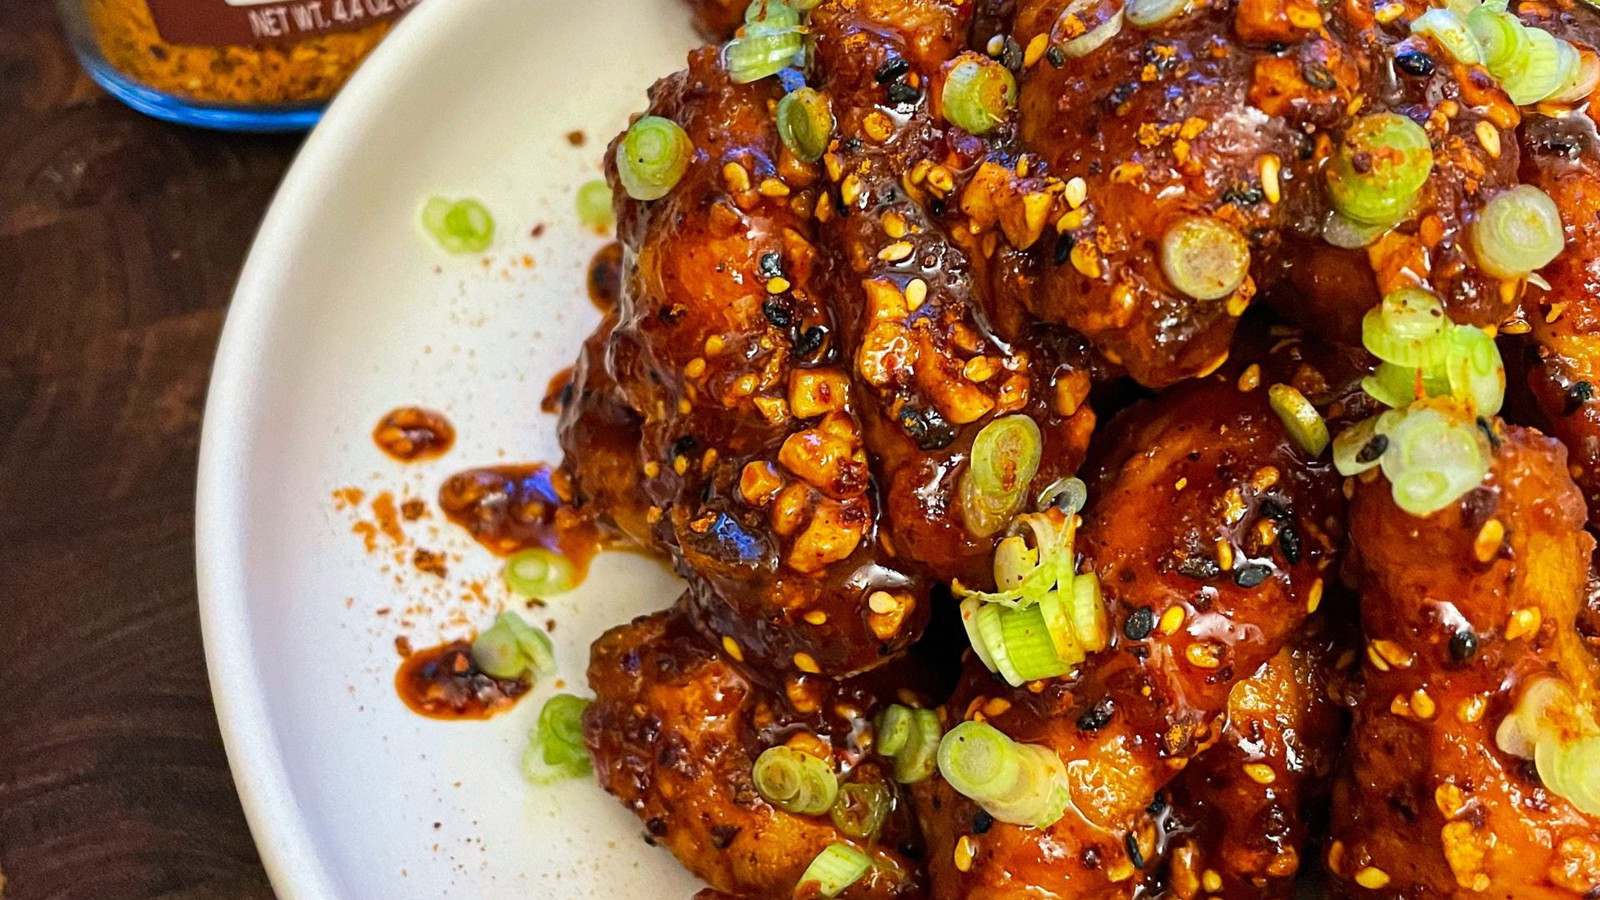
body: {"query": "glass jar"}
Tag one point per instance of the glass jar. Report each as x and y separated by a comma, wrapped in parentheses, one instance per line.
(241, 65)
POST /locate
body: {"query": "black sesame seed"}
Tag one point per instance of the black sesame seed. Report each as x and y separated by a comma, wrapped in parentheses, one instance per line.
(982, 822)
(1063, 248)
(1415, 62)
(684, 446)
(770, 265)
(1289, 543)
(1243, 195)
(1135, 855)
(777, 314)
(1251, 575)
(1463, 645)
(1318, 76)
(1580, 393)
(929, 429)
(1158, 805)
(1011, 55)
(1056, 56)
(1097, 716)
(1274, 510)
(657, 826)
(892, 69)
(1139, 624)
(1373, 449)
(1199, 567)
(902, 94)
(936, 206)
(723, 835)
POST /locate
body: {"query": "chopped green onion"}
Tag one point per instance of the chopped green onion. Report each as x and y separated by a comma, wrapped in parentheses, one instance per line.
(1571, 769)
(1204, 258)
(1397, 386)
(910, 737)
(893, 729)
(1406, 328)
(652, 157)
(978, 94)
(1381, 164)
(1052, 533)
(1029, 645)
(539, 572)
(971, 607)
(1359, 447)
(1474, 371)
(1502, 37)
(556, 750)
(837, 867)
(1541, 72)
(1304, 424)
(991, 632)
(861, 808)
(460, 226)
(1150, 13)
(805, 123)
(1518, 232)
(1582, 82)
(1447, 28)
(772, 12)
(1433, 459)
(594, 205)
(1069, 495)
(1013, 560)
(762, 49)
(1005, 457)
(1096, 37)
(510, 647)
(1342, 231)
(795, 781)
(1053, 608)
(1022, 784)
(1090, 624)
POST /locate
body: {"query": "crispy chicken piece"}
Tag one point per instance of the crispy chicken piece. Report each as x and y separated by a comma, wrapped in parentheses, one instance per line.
(600, 442)
(675, 730)
(1242, 812)
(1561, 156)
(1211, 533)
(1464, 611)
(753, 455)
(930, 368)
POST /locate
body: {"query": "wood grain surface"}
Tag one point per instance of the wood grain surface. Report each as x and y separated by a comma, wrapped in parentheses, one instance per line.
(120, 239)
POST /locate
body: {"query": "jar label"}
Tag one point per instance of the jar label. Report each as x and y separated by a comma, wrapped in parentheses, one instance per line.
(216, 23)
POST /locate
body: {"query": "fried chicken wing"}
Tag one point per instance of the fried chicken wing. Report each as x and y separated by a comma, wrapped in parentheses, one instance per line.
(674, 731)
(1561, 156)
(753, 456)
(1465, 613)
(1211, 534)
(1242, 812)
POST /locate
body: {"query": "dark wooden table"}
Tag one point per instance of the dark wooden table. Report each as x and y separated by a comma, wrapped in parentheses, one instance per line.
(120, 239)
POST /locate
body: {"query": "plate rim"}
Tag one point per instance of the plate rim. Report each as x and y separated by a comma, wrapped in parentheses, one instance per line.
(293, 864)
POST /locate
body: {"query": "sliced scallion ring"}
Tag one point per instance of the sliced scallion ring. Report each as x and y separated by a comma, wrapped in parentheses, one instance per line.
(837, 867)
(1383, 161)
(1096, 37)
(1090, 623)
(1205, 258)
(795, 781)
(1005, 457)
(1022, 784)
(1543, 70)
(1029, 646)
(1359, 448)
(1342, 231)
(460, 226)
(556, 750)
(1433, 459)
(1300, 419)
(1407, 328)
(1150, 13)
(991, 631)
(918, 761)
(805, 123)
(1066, 494)
(594, 205)
(1583, 81)
(539, 572)
(1518, 232)
(652, 157)
(1502, 37)
(762, 50)
(861, 808)
(1451, 32)
(534, 643)
(978, 94)
(1474, 370)
(893, 729)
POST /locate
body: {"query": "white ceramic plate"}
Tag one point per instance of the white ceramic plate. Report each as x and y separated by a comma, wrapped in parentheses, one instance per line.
(344, 312)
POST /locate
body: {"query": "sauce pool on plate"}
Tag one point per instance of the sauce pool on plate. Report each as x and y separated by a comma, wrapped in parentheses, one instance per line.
(412, 433)
(444, 682)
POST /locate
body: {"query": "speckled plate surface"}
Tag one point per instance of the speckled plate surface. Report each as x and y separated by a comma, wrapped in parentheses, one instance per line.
(344, 311)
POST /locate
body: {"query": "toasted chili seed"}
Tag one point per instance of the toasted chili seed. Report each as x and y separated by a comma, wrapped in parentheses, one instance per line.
(1251, 575)
(1097, 716)
(1139, 624)
(1373, 449)
(892, 69)
(1463, 646)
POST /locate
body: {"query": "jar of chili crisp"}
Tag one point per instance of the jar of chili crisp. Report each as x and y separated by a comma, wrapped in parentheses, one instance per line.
(241, 65)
